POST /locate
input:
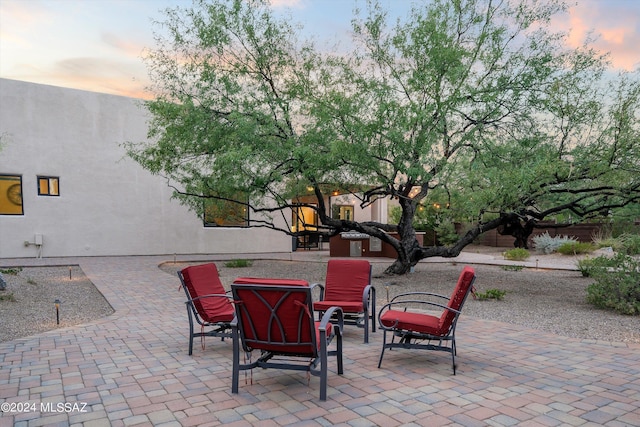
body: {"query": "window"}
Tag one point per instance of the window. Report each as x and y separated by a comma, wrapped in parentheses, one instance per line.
(305, 216)
(48, 186)
(225, 213)
(11, 195)
(344, 212)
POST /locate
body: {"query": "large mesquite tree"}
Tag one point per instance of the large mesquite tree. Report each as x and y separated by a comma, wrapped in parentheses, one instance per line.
(475, 99)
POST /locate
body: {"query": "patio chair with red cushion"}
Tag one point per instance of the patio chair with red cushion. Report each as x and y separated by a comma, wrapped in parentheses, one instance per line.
(348, 286)
(207, 303)
(404, 318)
(277, 320)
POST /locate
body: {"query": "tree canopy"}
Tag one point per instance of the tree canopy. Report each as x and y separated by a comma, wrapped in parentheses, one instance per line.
(475, 102)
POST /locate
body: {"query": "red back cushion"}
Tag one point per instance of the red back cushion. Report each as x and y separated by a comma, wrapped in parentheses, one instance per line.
(205, 280)
(457, 296)
(276, 319)
(346, 279)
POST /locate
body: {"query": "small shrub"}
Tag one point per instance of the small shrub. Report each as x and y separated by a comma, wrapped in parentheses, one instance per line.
(576, 248)
(546, 244)
(238, 263)
(7, 297)
(496, 294)
(516, 254)
(630, 244)
(512, 267)
(11, 271)
(614, 243)
(446, 233)
(588, 265)
(617, 288)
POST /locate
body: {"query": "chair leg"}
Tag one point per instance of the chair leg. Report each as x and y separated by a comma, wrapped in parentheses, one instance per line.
(190, 331)
(235, 376)
(366, 327)
(323, 365)
(373, 313)
(384, 344)
(453, 355)
(339, 352)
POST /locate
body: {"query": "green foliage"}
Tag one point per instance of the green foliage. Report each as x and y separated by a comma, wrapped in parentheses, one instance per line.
(588, 265)
(238, 263)
(7, 297)
(576, 248)
(446, 233)
(442, 106)
(616, 287)
(496, 294)
(512, 267)
(11, 271)
(546, 244)
(631, 243)
(516, 254)
(627, 243)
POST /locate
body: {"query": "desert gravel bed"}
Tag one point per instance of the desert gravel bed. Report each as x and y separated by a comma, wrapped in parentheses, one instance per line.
(546, 300)
(35, 290)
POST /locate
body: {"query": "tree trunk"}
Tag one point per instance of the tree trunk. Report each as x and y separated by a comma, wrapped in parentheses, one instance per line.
(408, 247)
(410, 252)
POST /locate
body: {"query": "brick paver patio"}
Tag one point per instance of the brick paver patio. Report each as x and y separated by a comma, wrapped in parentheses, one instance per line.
(132, 368)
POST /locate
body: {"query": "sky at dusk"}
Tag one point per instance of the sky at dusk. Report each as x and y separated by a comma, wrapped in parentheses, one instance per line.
(98, 45)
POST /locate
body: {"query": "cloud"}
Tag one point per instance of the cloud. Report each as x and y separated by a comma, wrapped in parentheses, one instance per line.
(129, 48)
(615, 27)
(286, 3)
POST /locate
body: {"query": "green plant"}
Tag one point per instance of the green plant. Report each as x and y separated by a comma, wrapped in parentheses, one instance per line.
(546, 244)
(446, 233)
(576, 248)
(238, 263)
(616, 286)
(516, 254)
(496, 294)
(11, 271)
(588, 265)
(512, 267)
(7, 297)
(631, 243)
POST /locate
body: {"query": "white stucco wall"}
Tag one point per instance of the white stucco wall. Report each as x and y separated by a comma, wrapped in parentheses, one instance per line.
(108, 205)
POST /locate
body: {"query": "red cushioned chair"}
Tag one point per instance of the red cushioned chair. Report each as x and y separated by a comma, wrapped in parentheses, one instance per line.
(277, 320)
(207, 302)
(348, 286)
(402, 318)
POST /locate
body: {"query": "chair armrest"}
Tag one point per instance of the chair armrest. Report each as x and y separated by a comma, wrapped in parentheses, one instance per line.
(318, 285)
(389, 305)
(414, 294)
(369, 293)
(326, 318)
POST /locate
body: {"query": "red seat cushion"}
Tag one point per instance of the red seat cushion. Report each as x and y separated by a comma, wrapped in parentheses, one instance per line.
(204, 280)
(414, 322)
(347, 306)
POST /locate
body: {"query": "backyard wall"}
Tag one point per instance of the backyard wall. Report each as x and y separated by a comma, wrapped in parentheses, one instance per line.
(108, 204)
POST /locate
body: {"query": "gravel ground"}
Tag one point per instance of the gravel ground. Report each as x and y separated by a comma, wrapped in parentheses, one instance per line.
(546, 300)
(27, 306)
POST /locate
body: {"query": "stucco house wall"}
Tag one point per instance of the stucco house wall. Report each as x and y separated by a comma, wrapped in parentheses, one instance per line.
(108, 204)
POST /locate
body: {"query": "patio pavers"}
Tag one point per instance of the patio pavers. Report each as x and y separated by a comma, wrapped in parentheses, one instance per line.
(132, 368)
